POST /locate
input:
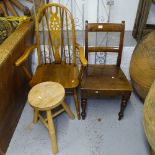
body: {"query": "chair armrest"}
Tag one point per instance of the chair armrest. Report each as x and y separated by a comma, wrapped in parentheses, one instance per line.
(25, 55)
(81, 54)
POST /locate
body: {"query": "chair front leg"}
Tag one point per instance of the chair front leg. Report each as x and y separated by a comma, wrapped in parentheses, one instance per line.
(83, 106)
(77, 106)
(124, 102)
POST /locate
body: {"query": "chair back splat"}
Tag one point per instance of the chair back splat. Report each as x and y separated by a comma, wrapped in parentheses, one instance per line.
(55, 35)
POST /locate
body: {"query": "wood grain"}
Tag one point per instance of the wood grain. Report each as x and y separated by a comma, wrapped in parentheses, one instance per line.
(13, 83)
(66, 75)
(46, 95)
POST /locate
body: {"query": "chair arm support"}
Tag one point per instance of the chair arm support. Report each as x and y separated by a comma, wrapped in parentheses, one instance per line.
(81, 54)
(25, 55)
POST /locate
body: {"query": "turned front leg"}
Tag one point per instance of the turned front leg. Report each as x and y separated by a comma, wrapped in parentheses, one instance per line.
(123, 106)
(83, 106)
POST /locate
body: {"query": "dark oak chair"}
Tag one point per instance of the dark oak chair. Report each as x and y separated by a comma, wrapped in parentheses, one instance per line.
(104, 80)
(56, 50)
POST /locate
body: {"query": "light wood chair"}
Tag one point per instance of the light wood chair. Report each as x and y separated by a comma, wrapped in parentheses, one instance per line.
(57, 50)
(45, 97)
(104, 80)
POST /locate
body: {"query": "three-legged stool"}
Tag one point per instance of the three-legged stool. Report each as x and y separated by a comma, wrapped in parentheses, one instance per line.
(45, 97)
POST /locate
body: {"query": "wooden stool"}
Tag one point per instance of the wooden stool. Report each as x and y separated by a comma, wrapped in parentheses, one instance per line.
(45, 97)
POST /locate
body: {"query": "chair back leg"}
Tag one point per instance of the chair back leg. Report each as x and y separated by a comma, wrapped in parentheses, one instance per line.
(77, 105)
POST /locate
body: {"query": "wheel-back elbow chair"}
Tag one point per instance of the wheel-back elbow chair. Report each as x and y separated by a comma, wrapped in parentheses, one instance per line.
(56, 49)
(104, 80)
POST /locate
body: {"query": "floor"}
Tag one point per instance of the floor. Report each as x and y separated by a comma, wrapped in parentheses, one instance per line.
(100, 134)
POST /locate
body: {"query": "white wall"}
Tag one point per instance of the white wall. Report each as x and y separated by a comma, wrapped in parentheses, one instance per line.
(121, 10)
(124, 10)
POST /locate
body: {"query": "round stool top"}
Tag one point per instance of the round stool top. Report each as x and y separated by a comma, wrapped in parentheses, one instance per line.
(46, 95)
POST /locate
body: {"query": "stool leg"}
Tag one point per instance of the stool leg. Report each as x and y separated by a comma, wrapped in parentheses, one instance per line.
(51, 130)
(77, 106)
(68, 111)
(35, 117)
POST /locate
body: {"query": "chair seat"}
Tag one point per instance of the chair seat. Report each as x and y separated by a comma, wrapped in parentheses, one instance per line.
(65, 74)
(106, 78)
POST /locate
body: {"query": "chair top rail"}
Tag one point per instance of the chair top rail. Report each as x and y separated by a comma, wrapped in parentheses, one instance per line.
(103, 49)
(105, 27)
